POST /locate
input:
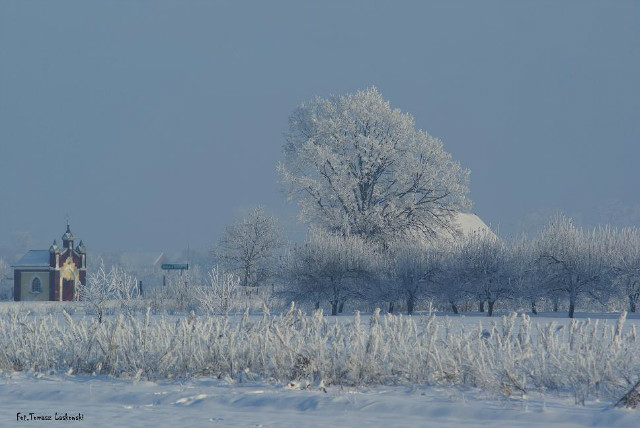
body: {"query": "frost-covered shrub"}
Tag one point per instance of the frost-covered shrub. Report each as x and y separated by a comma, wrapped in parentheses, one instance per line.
(107, 285)
(586, 357)
(220, 294)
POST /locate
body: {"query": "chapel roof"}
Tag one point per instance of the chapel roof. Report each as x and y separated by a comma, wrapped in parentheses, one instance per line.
(34, 258)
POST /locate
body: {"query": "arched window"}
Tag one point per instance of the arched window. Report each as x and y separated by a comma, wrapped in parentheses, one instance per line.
(36, 285)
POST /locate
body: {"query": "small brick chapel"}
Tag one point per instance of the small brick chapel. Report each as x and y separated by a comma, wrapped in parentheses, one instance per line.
(52, 274)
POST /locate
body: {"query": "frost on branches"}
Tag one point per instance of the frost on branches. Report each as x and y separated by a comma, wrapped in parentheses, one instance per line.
(105, 285)
(414, 269)
(626, 266)
(248, 247)
(356, 165)
(219, 293)
(330, 267)
(573, 260)
(482, 264)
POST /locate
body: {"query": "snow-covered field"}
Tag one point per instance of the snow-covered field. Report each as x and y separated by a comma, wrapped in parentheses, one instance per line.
(294, 369)
(210, 402)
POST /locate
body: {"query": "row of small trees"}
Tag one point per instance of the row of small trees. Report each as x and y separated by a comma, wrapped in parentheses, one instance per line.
(115, 289)
(563, 263)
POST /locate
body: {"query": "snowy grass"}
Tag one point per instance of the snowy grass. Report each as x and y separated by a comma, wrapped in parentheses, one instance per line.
(512, 357)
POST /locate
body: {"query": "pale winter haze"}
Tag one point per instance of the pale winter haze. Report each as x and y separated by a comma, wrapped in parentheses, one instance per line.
(151, 124)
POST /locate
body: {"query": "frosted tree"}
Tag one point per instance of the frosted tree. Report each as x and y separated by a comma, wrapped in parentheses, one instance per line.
(571, 259)
(522, 272)
(329, 267)
(219, 293)
(483, 263)
(413, 269)
(248, 247)
(450, 285)
(97, 291)
(625, 266)
(106, 285)
(357, 166)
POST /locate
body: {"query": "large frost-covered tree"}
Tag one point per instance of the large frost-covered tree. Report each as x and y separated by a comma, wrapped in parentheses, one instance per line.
(357, 166)
(248, 246)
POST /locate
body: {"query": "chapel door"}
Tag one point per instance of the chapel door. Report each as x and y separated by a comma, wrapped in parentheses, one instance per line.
(68, 289)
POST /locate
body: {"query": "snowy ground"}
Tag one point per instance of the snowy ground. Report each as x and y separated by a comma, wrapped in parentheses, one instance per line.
(219, 403)
(207, 401)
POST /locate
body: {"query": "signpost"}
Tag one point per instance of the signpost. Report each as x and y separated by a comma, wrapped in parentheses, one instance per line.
(173, 266)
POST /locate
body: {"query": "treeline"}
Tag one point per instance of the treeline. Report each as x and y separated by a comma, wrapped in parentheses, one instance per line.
(562, 265)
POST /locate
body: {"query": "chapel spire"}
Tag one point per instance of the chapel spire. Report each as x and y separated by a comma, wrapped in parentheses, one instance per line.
(67, 238)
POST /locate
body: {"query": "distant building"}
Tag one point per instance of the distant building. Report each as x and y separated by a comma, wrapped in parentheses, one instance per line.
(468, 224)
(52, 274)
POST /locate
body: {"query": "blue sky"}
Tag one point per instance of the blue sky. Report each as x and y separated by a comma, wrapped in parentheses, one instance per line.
(153, 123)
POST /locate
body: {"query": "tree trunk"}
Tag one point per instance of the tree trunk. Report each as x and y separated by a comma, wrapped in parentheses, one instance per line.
(572, 307)
(334, 307)
(534, 310)
(632, 303)
(390, 307)
(481, 305)
(490, 304)
(341, 307)
(245, 279)
(410, 303)
(454, 308)
(317, 305)
(555, 304)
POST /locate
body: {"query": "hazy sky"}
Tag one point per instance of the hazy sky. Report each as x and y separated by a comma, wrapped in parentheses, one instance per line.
(151, 123)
